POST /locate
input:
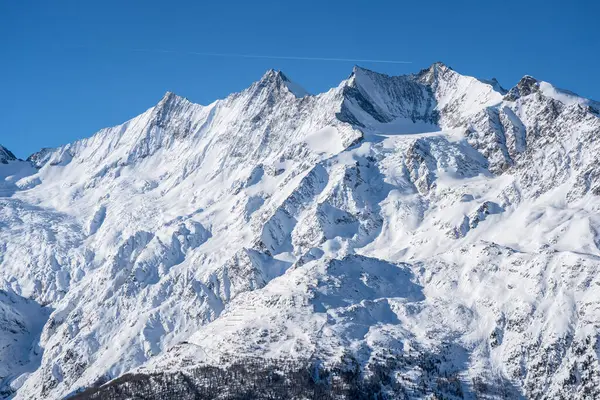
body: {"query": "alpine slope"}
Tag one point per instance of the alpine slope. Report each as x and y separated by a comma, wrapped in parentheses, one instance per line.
(430, 215)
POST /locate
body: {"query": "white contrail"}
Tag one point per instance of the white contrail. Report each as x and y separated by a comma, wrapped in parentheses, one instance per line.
(232, 55)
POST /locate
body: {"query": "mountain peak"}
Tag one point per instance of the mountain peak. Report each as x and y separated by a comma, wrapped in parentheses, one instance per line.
(358, 68)
(436, 68)
(170, 101)
(526, 86)
(271, 75)
(6, 155)
(277, 79)
(529, 85)
(357, 72)
(41, 157)
(436, 71)
(170, 97)
(440, 66)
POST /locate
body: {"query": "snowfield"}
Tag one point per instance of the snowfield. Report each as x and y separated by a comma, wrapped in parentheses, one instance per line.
(431, 216)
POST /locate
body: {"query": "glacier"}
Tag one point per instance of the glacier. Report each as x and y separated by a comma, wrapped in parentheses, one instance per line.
(431, 216)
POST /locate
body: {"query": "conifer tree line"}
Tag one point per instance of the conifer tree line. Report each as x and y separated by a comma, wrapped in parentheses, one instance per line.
(259, 378)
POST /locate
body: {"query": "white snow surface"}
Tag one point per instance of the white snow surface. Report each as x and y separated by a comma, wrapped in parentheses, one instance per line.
(389, 215)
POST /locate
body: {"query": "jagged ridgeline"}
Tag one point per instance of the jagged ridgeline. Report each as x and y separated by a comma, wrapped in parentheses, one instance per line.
(430, 234)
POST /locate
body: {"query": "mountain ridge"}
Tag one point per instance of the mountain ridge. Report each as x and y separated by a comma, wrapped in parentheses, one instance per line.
(427, 74)
(424, 217)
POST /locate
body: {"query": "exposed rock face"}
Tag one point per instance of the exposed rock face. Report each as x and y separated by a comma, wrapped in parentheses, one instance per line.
(432, 223)
(6, 155)
(526, 86)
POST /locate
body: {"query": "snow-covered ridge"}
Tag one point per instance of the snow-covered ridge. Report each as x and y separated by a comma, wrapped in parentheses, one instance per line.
(431, 216)
(528, 85)
(365, 97)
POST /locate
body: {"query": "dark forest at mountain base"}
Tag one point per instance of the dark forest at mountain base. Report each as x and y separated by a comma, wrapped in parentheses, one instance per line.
(258, 378)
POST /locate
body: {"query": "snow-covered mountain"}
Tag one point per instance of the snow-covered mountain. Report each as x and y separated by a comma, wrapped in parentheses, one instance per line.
(434, 220)
(6, 155)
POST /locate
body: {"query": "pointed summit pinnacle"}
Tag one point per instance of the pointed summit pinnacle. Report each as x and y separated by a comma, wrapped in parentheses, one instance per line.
(170, 97)
(270, 75)
(434, 73)
(438, 65)
(6, 155)
(273, 79)
(169, 101)
(526, 86)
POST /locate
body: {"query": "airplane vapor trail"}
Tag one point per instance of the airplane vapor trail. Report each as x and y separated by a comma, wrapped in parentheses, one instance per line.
(272, 57)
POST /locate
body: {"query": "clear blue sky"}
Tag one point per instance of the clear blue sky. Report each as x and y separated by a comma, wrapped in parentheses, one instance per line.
(68, 67)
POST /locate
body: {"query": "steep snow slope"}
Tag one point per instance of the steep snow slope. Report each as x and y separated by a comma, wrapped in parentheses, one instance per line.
(431, 215)
(11, 171)
(21, 322)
